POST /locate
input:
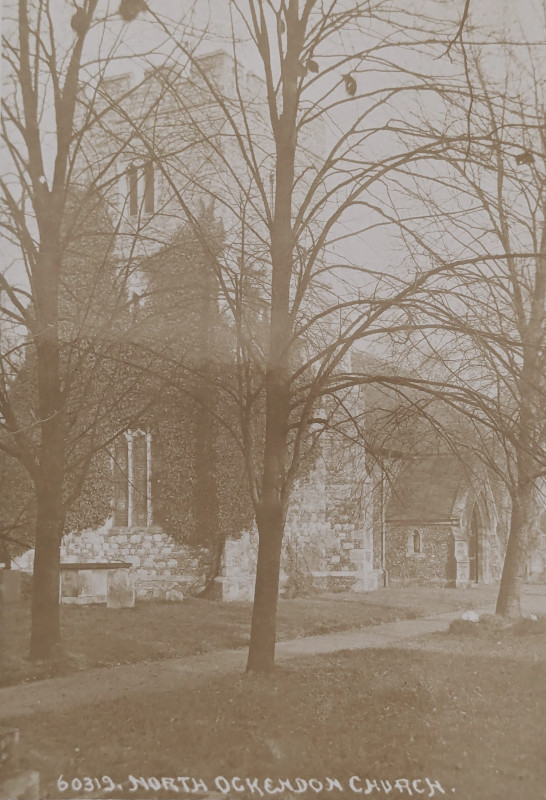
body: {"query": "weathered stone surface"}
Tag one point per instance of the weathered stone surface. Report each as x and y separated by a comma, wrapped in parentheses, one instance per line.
(70, 584)
(174, 595)
(121, 589)
(93, 583)
(234, 588)
(536, 568)
(368, 581)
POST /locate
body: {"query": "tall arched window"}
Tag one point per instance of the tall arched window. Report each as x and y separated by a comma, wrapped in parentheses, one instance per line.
(132, 480)
(132, 190)
(149, 189)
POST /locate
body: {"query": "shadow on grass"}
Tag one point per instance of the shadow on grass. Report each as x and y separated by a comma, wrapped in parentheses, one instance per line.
(474, 723)
(95, 636)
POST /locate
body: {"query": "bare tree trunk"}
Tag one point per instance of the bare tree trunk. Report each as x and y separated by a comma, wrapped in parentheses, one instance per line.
(271, 511)
(270, 516)
(261, 654)
(50, 512)
(45, 634)
(509, 597)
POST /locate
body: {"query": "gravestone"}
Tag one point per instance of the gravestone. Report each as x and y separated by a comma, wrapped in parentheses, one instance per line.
(536, 569)
(121, 589)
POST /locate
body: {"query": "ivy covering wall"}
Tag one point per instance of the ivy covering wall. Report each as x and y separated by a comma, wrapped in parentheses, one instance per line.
(198, 476)
(162, 364)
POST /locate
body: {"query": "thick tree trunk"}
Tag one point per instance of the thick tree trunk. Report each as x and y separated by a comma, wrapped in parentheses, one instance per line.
(270, 519)
(509, 597)
(50, 512)
(261, 654)
(508, 600)
(45, 635)
(271, 509)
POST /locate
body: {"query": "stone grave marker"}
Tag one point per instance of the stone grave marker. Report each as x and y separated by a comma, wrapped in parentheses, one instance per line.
(121, 589)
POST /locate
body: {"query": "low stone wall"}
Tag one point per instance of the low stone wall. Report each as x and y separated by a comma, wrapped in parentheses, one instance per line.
(160, 564)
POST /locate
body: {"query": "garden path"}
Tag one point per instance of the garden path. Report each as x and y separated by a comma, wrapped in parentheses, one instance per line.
(107, 683)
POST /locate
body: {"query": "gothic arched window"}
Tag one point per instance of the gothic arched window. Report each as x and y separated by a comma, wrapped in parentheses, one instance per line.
(132, 480)
(132, 190)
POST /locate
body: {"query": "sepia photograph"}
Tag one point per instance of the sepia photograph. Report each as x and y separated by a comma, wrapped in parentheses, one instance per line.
(273, 399)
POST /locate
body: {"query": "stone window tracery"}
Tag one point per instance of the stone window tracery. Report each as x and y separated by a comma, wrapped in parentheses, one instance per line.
(143, 198)
(132, 190)
(132, 466)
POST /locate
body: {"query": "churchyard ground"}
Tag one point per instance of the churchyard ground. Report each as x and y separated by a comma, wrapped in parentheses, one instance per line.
(95, 636)
(446, 715)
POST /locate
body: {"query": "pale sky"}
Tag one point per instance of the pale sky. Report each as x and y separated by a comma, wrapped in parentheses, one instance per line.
(497, 19)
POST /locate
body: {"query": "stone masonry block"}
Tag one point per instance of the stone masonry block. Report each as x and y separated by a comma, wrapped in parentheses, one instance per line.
(121, 589)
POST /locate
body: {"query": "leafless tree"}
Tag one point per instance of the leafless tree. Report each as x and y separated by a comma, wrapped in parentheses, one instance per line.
(302, 153)
(64, 300)
(486, 203)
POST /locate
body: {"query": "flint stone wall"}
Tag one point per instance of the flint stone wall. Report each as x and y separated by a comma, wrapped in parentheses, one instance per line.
(435, 564)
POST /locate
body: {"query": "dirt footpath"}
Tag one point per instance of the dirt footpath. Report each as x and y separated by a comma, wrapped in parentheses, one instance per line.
(108, 683)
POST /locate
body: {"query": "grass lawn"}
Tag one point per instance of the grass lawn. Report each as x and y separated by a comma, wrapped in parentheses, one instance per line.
(469, 714)
(96, 636)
